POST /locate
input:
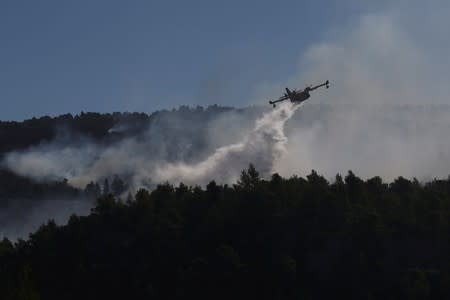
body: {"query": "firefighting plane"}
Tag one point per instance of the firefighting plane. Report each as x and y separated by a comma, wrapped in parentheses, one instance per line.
(299, 96)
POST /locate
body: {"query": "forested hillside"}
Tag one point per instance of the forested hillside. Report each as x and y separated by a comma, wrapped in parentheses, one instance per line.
(263, 237)
(100, 127)
(24, 197)
(97, 129)
(295, 238)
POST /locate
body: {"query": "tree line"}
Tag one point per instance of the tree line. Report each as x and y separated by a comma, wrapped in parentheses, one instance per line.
(16, 135)
(280, 238)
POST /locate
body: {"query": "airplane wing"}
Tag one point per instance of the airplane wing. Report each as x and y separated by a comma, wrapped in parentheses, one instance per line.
(282, 98)
(326, 84)
(285, 97)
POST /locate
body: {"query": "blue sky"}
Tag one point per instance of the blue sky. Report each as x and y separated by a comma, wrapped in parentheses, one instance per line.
(70, 56)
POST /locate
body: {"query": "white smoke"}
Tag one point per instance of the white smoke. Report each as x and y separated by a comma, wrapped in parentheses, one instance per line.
(387, 112)
(261, 145)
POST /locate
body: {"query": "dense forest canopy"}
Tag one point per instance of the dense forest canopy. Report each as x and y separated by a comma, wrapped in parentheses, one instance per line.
(282, 238)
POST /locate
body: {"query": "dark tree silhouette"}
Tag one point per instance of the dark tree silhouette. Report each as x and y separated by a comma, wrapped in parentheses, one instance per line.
(258, 239)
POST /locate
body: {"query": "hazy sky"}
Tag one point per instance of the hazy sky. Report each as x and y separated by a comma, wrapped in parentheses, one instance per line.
(71, 56)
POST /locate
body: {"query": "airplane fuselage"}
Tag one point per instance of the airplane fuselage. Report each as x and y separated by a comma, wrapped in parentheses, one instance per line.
(298, 97)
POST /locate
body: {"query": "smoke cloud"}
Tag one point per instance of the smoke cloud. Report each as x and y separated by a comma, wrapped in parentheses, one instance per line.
(262, 147)
(137, 159)
(387, 112)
